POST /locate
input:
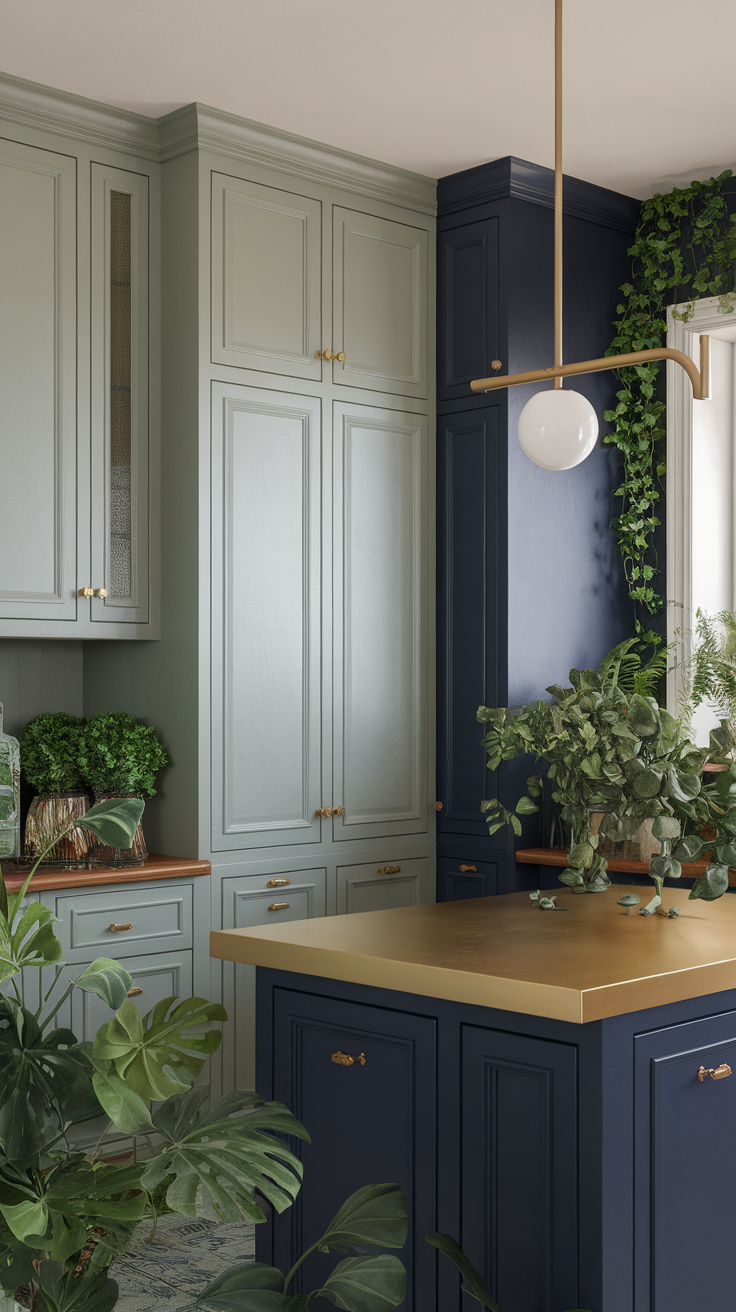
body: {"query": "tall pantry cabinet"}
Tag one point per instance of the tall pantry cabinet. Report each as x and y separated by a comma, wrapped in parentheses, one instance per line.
(294, 678)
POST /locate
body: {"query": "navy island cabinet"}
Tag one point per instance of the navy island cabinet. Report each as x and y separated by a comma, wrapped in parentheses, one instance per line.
(529, 580)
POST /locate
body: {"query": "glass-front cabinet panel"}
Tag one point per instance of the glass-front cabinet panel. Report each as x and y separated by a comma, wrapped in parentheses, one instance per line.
(120, 396)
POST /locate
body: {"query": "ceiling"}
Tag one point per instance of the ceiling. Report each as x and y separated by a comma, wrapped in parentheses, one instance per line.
(430, 85)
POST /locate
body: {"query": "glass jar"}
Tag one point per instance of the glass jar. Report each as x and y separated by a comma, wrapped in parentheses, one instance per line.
(9, 793)
(48, 815)
(101, 856)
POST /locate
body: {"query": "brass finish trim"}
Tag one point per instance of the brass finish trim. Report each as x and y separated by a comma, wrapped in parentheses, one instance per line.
(339, 810)
(558, 190)
(438, 806)
(496, 365)
(135, 992)
(279, 906)
(324, 811)
(101, 592)
(86, 592)
(344, 1059)
(278, 883)
(719, 1073)
(388, 870)
(464, 869)
(704, 366)
(597, 366)
(329, 354)
(118, 929)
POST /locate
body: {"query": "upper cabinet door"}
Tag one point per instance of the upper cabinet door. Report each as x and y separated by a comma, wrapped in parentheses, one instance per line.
(380, 623)
(380, 304)
(467, 306)
(120, 397)
(266, 627)
(38, 329)
(266, 276)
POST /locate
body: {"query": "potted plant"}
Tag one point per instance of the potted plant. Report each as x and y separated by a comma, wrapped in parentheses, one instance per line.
(626, 757)
(120, 756)
(49, 758)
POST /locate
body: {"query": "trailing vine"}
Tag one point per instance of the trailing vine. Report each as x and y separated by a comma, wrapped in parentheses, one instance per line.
(684, 248)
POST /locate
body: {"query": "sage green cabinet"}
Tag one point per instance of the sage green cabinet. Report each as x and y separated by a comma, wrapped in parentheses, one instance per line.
(384, 885)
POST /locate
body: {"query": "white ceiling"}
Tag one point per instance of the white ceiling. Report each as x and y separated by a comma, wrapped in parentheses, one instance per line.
(431, 85)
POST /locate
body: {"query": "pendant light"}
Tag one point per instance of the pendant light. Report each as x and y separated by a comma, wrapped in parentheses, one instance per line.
(558, 429)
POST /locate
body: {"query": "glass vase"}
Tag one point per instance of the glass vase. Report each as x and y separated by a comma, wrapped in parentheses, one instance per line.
(49, 815)
(101, 856)
(9, 793)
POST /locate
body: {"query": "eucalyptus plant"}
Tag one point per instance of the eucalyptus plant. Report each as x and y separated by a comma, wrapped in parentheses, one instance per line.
(625, 756)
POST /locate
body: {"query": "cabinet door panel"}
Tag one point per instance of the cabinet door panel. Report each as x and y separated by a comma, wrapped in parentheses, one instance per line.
(266, 270)
(692, 1150)
(467, 305)
(120, 399)
(380, 610)
(462, 878)
(38, 329)
(380, 303)
(369, 1123)
(159, 976)
(518, 1209)
(266, 618)
(371, 887)
(468, 618)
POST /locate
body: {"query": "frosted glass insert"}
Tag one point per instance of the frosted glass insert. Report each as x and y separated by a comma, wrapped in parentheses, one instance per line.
(120, 583)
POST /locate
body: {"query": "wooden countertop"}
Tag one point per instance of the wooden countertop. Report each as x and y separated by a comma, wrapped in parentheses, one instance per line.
(581, 964)
(155, 867)
(557, 856)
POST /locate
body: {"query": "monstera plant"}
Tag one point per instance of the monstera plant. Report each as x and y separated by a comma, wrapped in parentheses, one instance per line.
(621, 754)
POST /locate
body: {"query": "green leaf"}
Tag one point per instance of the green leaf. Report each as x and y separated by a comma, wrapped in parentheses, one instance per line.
(571, 877)
(666, 828)
(37, 1075)
(161, 1053)
(580, 855)
(108, 979)
(125, 1108)
(228, 1153)
(647, 783)
(643, 716)
(525, 806)
(691, 848)
(712, 884)
(664, 867)
(372, 1217)
(115, 820)
(474, 1285)
(366, 1284)
(27, 939)
(726, 854)
(681, 786)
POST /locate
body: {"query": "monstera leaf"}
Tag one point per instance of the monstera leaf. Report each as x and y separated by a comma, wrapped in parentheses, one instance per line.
(366, 1284)
(27, 939)
(63, 1291)
(115, 821)
(228, 1154)
(474, 1285)
(372, 1217)
(108, 980)
(41, 1077)
(161, 1053)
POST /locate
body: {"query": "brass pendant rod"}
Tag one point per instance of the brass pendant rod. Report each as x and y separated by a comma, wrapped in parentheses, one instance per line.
(699, 379)
(558, 190)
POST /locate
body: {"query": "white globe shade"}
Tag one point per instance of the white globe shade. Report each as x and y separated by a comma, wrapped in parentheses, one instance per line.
(558, 429)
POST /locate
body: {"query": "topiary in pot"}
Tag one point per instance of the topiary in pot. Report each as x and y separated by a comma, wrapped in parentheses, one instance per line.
(49, 758)
(119, 756)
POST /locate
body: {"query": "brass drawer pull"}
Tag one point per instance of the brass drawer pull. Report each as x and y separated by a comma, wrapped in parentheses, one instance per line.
(720, 1072)
(339, 810)
(344, 1059)
(325, 812)
(135, 992)
(464, 869)
(279, 906)
(388, 870)
(119, 929)
(278, 883)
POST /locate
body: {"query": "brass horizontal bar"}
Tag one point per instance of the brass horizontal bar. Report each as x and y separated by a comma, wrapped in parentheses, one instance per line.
(700, 391)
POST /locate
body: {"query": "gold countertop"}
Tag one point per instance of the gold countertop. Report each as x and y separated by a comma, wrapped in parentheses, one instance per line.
(581, 964)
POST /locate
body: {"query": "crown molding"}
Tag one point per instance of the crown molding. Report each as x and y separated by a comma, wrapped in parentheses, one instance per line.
(509, 177)
(32, 105)
(202, 127)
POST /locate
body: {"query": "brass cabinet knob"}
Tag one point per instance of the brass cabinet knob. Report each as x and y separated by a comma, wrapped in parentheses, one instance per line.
(325, 812)
(339, 810)
(388, 870)
(329, 354)
(344, 1059)
(86, 592)
(101, 592)
(278, 883)
(496, 365)
(279, 906)
(340, 357)
(119, 929)
(135, 992)
(438, 806)
(719, 1073)
(464, 869)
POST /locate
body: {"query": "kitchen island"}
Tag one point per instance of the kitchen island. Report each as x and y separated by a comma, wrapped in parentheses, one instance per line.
(531, 1078)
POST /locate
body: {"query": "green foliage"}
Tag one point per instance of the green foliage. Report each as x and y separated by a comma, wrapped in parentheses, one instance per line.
(373, 1217)
(711, 672)
(49, 752)
(474, 1285)
(684, 247)
(115, 820)
(161, 1053)
(118, 754)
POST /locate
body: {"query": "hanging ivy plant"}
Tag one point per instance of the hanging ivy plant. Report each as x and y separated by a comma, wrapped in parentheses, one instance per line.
(684, 249)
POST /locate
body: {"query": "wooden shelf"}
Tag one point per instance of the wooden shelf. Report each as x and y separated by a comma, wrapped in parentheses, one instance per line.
(557, 856)
(155, 867)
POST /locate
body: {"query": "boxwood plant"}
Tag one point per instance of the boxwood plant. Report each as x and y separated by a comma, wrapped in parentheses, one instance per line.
(119, 754)
(620, 753)
(49, 752)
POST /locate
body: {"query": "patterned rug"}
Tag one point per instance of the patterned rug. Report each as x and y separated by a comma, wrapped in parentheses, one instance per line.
(186, 1254)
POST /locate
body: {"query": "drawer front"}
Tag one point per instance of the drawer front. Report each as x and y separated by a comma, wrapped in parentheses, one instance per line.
(299, 895)
(158, 918)
(462, 878)
(384, 885)
(158, 977)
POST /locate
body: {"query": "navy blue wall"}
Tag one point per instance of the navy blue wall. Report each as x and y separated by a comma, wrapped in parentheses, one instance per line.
(530, 582)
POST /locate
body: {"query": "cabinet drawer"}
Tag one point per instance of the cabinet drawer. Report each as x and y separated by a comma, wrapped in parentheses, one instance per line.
(458, 879)
(158, 976)
(271, 899)
(383, 885)
(158, 917)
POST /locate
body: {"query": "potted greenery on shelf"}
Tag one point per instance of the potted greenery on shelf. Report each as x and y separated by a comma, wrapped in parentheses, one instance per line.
(120, 756)
(620, 754)
(49, 758)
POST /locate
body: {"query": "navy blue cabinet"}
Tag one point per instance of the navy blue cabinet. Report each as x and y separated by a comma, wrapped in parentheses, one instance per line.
(457, 879)
(529, 580)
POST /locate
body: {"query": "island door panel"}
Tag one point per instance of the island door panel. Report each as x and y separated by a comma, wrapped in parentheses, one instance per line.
(372, 1121)
(519, 1167)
